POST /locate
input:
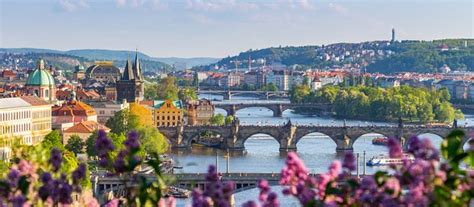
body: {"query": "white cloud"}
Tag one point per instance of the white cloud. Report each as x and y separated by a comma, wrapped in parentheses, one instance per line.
(338, 8)
(221, 5)
(73, 5)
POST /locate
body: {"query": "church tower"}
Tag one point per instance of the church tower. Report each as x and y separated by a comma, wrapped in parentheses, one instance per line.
(130, 86)
(393, 35)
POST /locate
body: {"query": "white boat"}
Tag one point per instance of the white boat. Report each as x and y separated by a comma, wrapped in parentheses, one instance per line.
(380, 160)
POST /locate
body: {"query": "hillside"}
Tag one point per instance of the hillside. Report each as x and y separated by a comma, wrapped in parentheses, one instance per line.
(119, 55)
(376, 56)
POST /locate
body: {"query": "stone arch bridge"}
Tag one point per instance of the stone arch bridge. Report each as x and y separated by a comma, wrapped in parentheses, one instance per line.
(235, 135)
(261, 94)
(276, 108)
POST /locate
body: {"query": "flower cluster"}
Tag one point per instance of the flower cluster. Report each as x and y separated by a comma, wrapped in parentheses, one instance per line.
(216, 192)
(29, 185)
(104, 146)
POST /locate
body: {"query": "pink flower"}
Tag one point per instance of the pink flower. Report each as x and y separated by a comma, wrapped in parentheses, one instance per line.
(393, 185)
(167, 202)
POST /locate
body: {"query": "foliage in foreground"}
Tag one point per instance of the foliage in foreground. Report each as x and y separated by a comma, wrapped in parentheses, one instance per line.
(423, 182)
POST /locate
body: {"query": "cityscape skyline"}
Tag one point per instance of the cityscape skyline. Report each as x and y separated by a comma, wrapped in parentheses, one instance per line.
(194, 28)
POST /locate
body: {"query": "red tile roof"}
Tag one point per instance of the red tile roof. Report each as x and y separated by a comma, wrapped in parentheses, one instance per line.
(86, 127)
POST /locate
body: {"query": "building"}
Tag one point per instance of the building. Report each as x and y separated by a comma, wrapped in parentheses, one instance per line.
(200, 112)
(27, 118)
(461, 91)
(79, 73)
(168, 113)
(388, 82)
(72, 112)
(41, 83)
(80, 93)
(230, 80)
(106, 110)
(103, 71)
(316, 83)
(83, 130)
(279, 78)
(130, 86)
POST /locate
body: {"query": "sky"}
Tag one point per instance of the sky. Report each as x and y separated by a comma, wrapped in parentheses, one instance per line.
(219, 28)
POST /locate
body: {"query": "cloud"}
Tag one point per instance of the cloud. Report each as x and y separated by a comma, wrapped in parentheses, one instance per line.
(153, 4)
(220, 5)
(73, 5)
(338, 8)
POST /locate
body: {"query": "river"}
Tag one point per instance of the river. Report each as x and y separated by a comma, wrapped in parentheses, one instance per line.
(262, 151)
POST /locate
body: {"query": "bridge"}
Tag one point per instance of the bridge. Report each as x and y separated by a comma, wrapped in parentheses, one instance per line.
(235, 135)
(227, 94)
(276, 108)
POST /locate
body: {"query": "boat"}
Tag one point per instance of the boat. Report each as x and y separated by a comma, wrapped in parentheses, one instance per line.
(380, 141)
(381, 160)
(178, 192)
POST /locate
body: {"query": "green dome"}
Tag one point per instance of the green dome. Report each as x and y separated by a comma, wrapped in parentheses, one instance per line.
(40, 76)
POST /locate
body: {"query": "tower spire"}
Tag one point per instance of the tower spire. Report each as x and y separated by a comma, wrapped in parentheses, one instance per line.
(137, 67)
(128, 73)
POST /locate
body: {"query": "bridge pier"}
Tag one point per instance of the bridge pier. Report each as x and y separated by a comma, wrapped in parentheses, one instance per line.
(344, 144)
(278, 112)
(228, 95)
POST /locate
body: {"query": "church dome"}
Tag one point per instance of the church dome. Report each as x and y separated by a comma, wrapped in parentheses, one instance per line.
(40, 76)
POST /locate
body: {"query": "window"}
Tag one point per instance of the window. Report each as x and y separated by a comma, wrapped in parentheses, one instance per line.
(46, 93)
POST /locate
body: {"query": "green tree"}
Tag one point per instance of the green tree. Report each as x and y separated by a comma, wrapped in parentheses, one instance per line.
(152, 140)
(90, 145)
(167, 89)
(53, 140)
(122, 122)
(229, 119)
(269, 87)
(151, 91)
(218, 120)
(187, 94)
(75, 144)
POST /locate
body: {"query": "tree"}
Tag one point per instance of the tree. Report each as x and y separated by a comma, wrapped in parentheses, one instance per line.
(123, 121)
(152, 140)
(229, 119)
(187, 94)
(218, 120)
(53, 140)
(90, 145)
(151, 91)
(144, 115)
(167, 89)
(75, 144)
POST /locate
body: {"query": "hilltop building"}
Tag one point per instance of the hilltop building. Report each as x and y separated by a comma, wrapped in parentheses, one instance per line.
(130, 87)
(41, 83)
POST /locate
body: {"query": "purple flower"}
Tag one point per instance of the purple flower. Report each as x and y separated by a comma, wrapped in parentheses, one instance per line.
(46, 177)
(394, 148)
(79, 174)
(119, 164)
(132, 142)
(349, 161)
(13, 177)
(18, 201)
(103, 146)
(56, 159)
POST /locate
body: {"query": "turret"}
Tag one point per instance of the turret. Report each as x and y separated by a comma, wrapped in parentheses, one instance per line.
(128, 73)
(137, 68)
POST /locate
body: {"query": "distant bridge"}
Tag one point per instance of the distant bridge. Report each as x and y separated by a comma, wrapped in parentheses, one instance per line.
(276, 108)
(235, 135)
(227, 94)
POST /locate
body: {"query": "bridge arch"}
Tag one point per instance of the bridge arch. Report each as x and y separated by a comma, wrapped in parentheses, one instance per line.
(193, 137)
(309, 140)
(304, 134)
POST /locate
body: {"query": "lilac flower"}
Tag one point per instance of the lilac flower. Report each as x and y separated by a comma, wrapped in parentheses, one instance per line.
(18, 201)
(56, 159)
(113, 203)
(394, 148)
(393, 186)
(169, 202)
(119, 164)
(103, 145)
(132, 142)
(13, 177)
(349, 161)
(80, 173)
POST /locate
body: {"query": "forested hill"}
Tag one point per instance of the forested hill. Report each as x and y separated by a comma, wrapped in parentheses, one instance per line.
(376, 56)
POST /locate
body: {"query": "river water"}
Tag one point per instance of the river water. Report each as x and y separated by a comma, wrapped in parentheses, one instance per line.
(262, 151)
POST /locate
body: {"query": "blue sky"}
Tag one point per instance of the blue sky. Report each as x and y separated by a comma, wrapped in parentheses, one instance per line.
(217, 28)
